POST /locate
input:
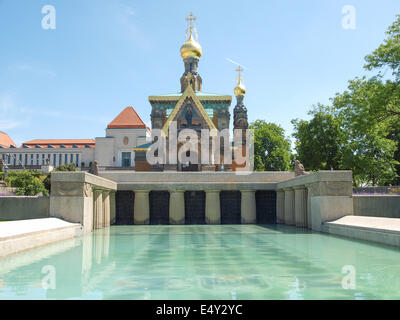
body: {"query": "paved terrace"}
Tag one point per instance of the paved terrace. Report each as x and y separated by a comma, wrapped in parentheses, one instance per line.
(379, 230)
(22, 235)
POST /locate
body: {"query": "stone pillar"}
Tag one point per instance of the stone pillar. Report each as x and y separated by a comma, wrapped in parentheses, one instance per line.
(76, 197)
(300, 206)
(141, 208)
(106, 209)
(213, 209)
(280, 206)
(248, 206)
(289, 207)
(112, 207)
(177, 207)
(97, 209)
(309, 193)
(331, 197)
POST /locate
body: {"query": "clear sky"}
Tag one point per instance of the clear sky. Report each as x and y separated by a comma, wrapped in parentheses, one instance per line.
(104, 55)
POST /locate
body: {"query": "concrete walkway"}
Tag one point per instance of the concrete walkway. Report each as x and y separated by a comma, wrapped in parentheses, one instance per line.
(375, 229)
(16, 236)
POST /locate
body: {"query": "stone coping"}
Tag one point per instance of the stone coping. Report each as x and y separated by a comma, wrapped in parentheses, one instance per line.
(83, 177)
(14, 229)
(196, 177)
(318, 176)
(193, 186)
(386, 225)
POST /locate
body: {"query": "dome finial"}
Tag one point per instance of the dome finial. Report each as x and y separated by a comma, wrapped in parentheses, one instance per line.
(191, 48)
(240, 89)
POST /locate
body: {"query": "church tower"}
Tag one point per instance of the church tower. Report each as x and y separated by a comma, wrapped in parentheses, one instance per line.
(240, 110)
(191, 52)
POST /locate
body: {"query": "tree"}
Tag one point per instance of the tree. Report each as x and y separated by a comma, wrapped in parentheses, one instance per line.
(27, 183)
(371, 128)
(363, 124)
(319, 141)
(388, 53)
(271, 147)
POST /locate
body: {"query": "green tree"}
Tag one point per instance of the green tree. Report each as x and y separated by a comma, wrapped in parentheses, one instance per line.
(320, 140)
(371, 127)
(27, 183)
(271, 148)
(388, 53)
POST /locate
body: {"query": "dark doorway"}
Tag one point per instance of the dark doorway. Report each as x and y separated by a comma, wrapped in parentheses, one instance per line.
(266, 207)
(159, 207)
(195, 211)
(230, 202)
(124, 201)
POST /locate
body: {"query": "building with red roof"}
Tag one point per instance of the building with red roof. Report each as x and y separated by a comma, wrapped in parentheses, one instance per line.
(123, 134)
(6, 141)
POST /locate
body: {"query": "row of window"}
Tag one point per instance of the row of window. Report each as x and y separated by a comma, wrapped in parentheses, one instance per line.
(40, 159)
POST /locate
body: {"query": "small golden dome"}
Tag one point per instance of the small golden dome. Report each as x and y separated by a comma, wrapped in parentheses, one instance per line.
(191, 48)
(240, 89)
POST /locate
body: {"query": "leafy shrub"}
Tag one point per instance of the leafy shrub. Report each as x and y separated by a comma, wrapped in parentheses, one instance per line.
(66, 167)
(27, 183)
(63, 167)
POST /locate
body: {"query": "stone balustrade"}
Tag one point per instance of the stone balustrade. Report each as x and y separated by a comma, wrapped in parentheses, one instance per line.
(305, 201)
(83, 198)
(312, 199)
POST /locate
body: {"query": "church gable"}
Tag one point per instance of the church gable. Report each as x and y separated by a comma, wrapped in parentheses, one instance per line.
(189, 113)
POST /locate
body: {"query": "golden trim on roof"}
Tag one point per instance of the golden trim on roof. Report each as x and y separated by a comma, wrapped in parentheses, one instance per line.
(201, 98)
(188, 93)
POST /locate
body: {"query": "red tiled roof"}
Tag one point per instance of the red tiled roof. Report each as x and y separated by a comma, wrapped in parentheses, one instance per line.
(5, 140)
(128, 118)
(56, 143)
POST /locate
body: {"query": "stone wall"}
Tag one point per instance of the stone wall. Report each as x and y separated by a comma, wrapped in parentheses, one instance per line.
(80, 197)
(377, 205)
(313, 199)
(23, 208)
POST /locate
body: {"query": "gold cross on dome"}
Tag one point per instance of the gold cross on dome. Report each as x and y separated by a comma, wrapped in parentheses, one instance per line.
(191, 28)
(190, 19)
(239, 70)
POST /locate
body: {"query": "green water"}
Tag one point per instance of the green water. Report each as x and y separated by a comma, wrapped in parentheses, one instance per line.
(202, 262)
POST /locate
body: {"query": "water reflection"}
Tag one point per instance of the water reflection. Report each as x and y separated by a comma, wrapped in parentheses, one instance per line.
(203, 262)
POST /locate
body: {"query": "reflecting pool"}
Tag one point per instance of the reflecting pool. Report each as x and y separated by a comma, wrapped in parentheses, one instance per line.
(203, 262)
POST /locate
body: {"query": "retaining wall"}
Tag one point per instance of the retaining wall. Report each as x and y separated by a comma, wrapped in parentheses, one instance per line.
(23, 208)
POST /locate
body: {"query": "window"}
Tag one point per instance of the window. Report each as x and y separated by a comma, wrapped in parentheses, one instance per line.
(43, 159)
(20, 160)
(72, 158)
(54, 160)
(126, 159)
(15, 159)
(26, 159)
(77, 160)
(66, 158)
(31, 159)
(60, 159)
(37, 159)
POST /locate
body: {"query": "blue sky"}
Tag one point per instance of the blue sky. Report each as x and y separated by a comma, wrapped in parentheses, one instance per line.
(105, 55)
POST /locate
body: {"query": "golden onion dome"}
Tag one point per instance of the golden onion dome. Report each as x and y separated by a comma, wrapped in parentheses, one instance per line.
(191, 48)
(240, 89)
